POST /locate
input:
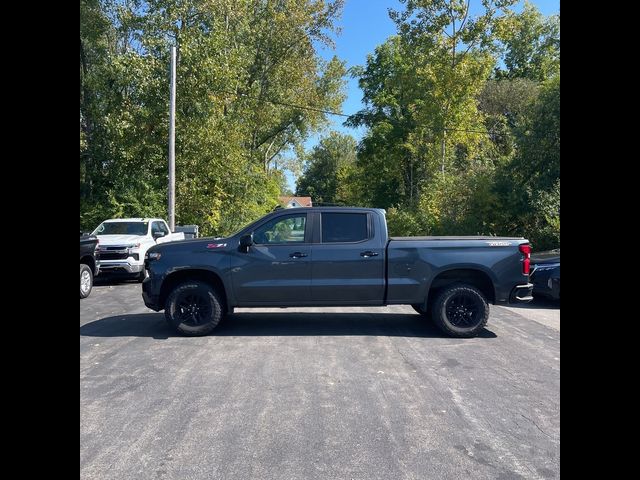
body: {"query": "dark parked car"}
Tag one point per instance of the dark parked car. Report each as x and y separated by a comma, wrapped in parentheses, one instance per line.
(89, 263)
(332, 256)
(545, 274)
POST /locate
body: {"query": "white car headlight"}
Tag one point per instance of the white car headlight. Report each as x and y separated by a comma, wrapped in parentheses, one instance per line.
(132, 246)
(152, 256)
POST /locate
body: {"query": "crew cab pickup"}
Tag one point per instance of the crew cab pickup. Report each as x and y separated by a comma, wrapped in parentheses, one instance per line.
(124, 243)
(335, 256)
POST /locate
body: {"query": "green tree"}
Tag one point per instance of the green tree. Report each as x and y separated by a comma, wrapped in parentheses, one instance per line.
(420, 89)
(328, 170)
(96, 43)
(531, 45)
(505, 105)
(459, 150)
(244, 67)
(529, 185)
(539, 139)
(453, 53)
(389, 90)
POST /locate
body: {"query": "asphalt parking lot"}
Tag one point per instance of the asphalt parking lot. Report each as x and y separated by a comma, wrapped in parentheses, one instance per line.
(332, 393)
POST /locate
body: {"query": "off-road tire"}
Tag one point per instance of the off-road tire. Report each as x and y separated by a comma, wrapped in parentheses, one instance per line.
(193, 308)
(451, 309)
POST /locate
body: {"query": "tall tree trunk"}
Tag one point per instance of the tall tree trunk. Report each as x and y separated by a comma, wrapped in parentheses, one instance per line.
(443, 148)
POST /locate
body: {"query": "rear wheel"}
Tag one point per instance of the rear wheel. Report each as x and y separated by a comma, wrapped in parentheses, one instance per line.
(86, 280)
(193, 308)
(460, 311)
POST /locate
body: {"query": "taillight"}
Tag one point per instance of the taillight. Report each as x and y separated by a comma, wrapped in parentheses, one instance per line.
(526, 262)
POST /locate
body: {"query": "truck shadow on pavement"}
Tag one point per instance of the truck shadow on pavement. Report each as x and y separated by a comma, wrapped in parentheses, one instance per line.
(153, 325)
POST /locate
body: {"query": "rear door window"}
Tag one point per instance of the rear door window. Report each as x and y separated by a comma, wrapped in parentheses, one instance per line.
(344, 227)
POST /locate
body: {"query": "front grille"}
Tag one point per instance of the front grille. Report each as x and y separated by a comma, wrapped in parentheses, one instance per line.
(113, 256)
(112, 248)
(119, 256)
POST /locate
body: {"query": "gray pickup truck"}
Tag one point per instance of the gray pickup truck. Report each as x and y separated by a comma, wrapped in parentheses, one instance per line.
(335, 256)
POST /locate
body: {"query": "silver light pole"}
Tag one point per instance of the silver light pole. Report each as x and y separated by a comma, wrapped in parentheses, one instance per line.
(172, 144)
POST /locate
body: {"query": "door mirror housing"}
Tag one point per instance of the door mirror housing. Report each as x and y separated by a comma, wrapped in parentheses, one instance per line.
(245, 242)
(158, 234)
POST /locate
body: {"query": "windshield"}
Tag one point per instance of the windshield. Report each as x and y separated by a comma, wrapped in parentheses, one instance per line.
(122, 228)
(249, 227)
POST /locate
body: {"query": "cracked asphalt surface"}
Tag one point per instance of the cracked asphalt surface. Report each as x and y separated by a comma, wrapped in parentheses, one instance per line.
(332, 393)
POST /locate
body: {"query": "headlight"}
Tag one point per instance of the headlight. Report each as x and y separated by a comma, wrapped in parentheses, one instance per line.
(152, 256)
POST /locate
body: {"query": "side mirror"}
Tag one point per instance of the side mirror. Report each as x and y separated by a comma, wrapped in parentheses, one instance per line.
(158, 234)
(245, 242)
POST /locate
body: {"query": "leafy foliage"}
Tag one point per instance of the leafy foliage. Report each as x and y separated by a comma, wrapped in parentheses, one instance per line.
(529, 185)
(531, 44)
(330, 166)
(243, 66)
(461, 147)
(462, 114)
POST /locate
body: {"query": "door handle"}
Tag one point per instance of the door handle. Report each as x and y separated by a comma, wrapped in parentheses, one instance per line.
(297, 255)
(368, 254)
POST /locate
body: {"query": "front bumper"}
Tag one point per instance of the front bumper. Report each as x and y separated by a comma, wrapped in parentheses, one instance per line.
(521, 293)
(150, 300)
(122, 266)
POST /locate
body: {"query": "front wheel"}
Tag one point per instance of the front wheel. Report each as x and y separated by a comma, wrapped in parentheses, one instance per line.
(460, 311)
(193, 308)
(86, 280)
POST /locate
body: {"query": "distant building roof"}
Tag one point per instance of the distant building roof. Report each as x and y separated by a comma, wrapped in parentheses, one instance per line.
(290, 201)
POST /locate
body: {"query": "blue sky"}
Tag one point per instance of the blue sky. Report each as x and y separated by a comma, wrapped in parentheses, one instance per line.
(366, 24)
